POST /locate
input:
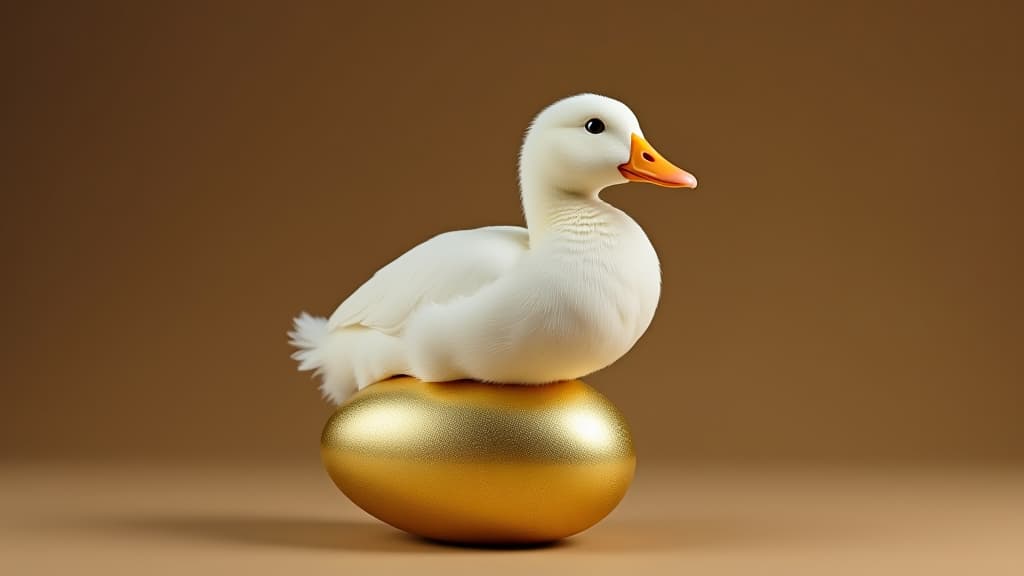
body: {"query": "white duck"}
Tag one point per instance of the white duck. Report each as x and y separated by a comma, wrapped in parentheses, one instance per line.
(562, 298)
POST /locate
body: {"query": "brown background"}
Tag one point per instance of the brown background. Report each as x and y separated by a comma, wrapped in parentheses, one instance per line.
(180, 179)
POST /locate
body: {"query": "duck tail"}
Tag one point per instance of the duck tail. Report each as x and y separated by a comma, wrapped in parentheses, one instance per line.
(310, 335)
(346, 359)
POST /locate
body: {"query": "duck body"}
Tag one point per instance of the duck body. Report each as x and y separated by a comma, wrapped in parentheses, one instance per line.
(568, 295)
(567, 307)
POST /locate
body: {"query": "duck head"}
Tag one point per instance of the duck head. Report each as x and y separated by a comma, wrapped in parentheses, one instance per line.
(587, 142)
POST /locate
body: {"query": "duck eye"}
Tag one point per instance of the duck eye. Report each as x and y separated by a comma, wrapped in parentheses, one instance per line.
(594, 126)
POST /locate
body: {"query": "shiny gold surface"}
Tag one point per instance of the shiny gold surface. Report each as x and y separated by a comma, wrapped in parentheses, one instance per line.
(472, 462)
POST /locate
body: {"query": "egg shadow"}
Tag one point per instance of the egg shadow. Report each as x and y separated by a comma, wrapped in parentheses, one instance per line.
(613, 537)
(299, 533)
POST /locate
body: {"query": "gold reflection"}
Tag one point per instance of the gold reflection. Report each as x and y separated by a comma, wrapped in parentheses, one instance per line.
(591, 430)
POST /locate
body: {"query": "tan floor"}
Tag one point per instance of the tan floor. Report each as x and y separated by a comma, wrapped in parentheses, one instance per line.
(288, 519)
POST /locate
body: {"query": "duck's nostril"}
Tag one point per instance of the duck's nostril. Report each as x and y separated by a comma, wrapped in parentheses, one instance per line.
(648, 157)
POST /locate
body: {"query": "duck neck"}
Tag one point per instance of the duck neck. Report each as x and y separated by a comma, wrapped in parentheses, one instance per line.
(556, 213)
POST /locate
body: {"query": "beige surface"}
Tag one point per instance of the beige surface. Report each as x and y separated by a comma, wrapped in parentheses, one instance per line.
(196, 519)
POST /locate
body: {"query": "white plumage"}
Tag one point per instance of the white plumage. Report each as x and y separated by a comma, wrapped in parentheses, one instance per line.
(562, 298)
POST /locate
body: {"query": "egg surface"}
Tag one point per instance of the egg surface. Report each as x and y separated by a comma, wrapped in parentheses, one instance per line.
(481, 463)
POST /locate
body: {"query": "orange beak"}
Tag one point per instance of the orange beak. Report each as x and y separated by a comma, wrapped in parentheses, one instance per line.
(646, 165)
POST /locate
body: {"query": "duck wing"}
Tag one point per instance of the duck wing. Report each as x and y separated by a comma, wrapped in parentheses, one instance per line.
(450, 265)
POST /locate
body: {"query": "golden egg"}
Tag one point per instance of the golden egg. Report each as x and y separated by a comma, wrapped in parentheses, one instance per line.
(481, 463)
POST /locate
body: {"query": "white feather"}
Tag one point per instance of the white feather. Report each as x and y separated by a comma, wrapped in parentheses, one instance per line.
(308, 335)
(449, 265)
